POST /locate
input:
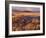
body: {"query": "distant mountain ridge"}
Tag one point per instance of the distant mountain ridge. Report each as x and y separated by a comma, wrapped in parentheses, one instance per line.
(26, 9)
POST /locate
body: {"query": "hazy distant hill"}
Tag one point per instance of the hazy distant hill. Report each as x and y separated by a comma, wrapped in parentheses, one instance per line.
(33, 9)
